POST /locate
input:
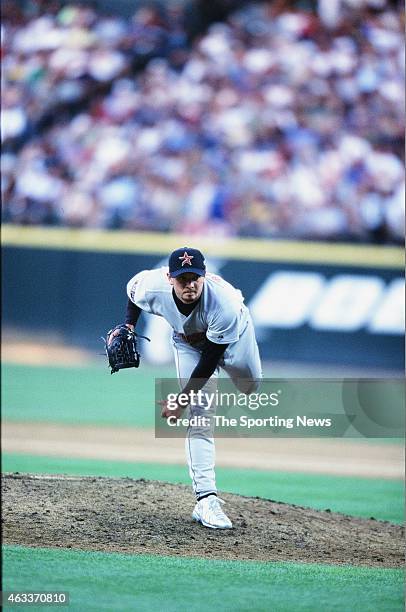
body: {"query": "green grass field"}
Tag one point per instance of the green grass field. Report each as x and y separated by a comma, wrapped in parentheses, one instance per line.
(85, 395)
(98, 581)
(79, 395)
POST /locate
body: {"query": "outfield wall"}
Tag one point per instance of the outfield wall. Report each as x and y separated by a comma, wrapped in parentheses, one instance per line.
(311, 302)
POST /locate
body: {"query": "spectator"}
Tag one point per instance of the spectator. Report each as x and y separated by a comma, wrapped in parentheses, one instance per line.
(269, 125)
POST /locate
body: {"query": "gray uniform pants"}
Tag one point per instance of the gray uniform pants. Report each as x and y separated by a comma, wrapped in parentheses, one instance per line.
(242, 363)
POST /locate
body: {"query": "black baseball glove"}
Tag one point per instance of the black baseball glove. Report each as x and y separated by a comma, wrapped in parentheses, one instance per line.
(121, 348)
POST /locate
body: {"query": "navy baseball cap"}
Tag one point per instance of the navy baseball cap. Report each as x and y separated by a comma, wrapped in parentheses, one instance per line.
(186, 259)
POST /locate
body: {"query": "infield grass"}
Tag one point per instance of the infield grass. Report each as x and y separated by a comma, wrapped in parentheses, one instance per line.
(382, 499)
(79, 394)
(100, 581)
(87, 394)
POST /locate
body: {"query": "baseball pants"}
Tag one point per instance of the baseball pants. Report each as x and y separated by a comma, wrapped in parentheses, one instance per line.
(241, 361)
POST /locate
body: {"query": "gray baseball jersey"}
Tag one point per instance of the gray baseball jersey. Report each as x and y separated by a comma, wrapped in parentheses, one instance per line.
(222, 317)
(221, 312)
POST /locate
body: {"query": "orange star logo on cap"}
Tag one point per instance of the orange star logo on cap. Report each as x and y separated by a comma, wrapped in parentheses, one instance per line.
(186, 259)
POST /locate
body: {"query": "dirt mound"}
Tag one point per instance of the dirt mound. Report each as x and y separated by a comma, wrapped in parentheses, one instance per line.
(138, 516)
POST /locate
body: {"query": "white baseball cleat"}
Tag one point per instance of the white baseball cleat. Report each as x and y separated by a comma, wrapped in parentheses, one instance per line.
(208, 512)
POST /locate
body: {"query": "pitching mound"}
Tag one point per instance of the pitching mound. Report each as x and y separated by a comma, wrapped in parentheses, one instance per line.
(138, 516)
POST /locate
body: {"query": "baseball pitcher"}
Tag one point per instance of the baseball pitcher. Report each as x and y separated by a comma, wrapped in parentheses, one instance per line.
(212, 329)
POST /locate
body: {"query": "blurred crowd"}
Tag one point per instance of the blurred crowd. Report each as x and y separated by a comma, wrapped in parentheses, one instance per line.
(270, 124)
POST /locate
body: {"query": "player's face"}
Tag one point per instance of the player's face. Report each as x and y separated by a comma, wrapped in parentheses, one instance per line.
(188, 287)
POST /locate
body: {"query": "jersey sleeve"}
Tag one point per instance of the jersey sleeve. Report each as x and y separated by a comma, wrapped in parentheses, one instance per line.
(137, 291)
(223, 326)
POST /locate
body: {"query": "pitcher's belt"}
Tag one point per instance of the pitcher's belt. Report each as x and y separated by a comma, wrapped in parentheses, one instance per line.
(192, 338)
